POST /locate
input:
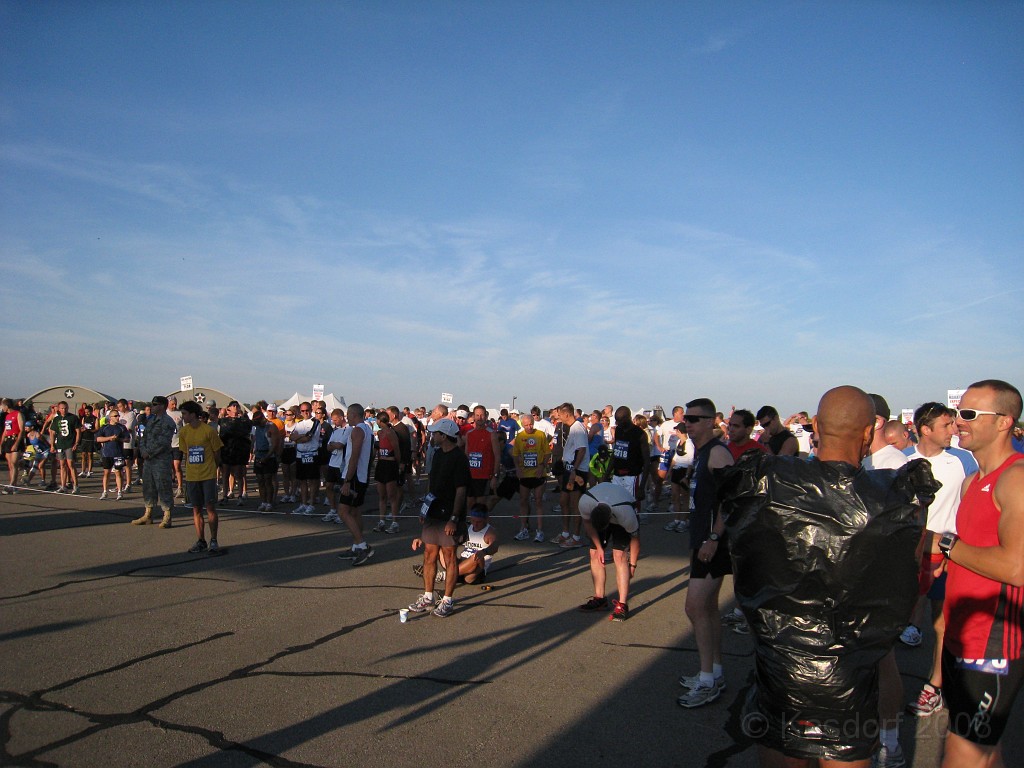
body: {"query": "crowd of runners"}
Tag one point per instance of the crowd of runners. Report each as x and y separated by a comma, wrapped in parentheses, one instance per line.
(603, 474)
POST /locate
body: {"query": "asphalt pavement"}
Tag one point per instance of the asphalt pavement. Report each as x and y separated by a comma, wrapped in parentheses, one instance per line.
(118, 648)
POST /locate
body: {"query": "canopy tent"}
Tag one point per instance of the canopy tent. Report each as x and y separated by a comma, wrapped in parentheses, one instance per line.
(330, 401)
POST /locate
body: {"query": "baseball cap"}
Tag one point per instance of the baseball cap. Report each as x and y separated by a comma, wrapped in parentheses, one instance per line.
(881, 407)
(462, 414)
(445, 427)
(271, 407)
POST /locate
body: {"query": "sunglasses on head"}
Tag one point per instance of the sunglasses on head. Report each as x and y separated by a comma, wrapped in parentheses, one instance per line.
(970, 414)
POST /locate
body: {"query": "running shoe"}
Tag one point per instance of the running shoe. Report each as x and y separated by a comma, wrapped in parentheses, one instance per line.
(119, 496)
(929, 701)
(393, 528)
(889, 758)
(199, 546)
(672, 525)
(911, 636)
(594, 604)
(444, 608)
(214, 547)
(693, 681)
(60, 489)
(620, 611)
(538, 538)
(380, 527)
(103, 496)
(523, 535)
(330, 517)
(422, 604)
(699, 696)
(347, 554)
(362, 555)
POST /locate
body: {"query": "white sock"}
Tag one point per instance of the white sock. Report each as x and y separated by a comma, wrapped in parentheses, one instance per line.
(717, 671)
(707, 679)
(360, 545)
(428, 595)
(565, 534)
(890, 738)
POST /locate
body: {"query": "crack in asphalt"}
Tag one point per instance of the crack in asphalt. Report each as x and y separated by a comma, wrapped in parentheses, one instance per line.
(37, 701)
(120, 575)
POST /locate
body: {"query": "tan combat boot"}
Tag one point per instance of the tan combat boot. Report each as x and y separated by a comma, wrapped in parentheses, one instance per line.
(146, 518)
(166, 522)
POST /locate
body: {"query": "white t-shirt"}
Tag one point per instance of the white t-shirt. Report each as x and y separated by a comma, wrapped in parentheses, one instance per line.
(948, 470)
(578, 438)
(889, 457)
(666, 431)
(304, 428)
(686, 460)
(617, 498)
(340, 435)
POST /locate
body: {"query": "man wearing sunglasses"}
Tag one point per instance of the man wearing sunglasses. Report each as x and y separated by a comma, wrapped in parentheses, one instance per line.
(982, 664)
(780, 441)
(709, 560)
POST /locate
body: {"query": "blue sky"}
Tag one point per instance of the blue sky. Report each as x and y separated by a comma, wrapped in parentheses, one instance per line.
(603, 202)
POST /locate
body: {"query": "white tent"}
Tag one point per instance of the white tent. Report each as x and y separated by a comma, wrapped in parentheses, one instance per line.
(330, 400)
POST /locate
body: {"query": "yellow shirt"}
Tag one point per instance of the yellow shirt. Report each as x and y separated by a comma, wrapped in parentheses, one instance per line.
(199, 444)
(531, 450)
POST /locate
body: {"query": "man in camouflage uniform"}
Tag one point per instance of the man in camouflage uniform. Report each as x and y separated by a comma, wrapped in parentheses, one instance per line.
(155, 447)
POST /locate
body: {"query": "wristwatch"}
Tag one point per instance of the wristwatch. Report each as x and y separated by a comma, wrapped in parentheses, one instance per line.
(713, 536)
(946, 543)
(453, 519)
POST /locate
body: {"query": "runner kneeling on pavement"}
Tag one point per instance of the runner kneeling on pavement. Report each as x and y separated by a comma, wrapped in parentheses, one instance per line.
(609, 515)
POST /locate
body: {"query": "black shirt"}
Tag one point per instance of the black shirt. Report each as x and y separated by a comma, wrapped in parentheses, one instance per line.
(630, 450)
(449, 471)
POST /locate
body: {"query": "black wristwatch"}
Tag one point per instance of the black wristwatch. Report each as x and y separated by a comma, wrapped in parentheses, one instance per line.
(713, 536)
(946, 543)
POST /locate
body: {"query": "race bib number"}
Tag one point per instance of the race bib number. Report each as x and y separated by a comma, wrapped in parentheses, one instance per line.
(307, 458)
(118, 462)
(427, 501)
(384, 453)
(476, 460)
(621, 449)
(65, 430)
(196, 454)
(988, 666)
(530, 460)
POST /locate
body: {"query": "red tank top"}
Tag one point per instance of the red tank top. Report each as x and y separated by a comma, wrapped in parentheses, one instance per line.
(11, 426)
(984, 618)
(385, 450)
(480, 453)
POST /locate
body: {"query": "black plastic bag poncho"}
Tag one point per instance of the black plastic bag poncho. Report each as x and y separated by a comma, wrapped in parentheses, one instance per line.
(825, 569)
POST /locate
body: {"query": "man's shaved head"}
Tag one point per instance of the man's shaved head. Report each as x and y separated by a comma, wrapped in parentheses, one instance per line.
(844, 423)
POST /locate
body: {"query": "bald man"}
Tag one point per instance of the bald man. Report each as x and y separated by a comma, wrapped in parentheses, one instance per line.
(825, 559)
